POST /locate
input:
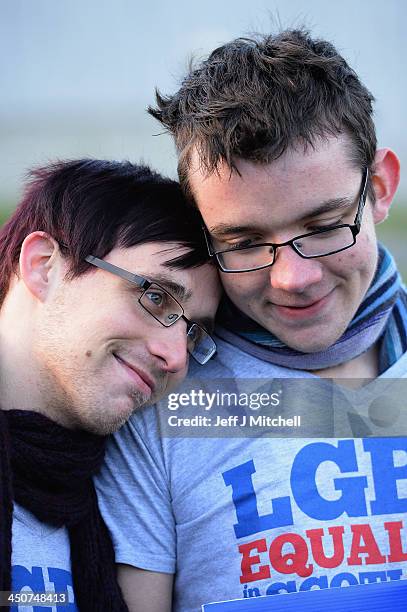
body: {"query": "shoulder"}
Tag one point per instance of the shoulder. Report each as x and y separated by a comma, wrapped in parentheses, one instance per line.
(234, 359)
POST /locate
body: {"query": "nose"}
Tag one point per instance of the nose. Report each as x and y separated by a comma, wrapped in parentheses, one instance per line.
(292, 273)
(169, 346)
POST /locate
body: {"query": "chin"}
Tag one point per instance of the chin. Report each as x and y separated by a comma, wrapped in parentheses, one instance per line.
(313, 344)
(109, 419)
(312, 347)
(107, 426)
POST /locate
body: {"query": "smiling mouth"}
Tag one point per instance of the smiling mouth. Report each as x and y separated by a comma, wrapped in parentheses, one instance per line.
(143, 380)
(301, 311)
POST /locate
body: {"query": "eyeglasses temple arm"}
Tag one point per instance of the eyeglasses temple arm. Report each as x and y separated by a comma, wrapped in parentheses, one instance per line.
(362, 200)
(129, 276)
(208, 242)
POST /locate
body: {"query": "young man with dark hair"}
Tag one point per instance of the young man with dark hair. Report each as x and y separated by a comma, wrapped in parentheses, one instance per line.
(104, 287)
(277, 148)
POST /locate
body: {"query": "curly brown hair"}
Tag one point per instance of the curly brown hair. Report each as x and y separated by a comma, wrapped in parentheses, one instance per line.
(254, 98)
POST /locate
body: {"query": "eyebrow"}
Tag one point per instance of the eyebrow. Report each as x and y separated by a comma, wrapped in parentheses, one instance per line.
(329, 206)
(176, 290)
(337, 204)
(224, 229)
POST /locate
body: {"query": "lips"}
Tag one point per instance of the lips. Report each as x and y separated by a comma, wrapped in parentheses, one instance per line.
(147, 383)
(301, 311)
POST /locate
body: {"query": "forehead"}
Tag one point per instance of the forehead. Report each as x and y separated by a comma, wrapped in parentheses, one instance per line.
(148, 257)
(298, 179)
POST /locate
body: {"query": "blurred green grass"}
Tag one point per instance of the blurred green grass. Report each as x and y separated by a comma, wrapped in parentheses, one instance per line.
(5, 211)
(397, 220)
(393, 232)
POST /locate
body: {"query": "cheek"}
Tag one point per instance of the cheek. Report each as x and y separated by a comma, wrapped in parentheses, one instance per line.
(90, 332)
(245, 285)
(360, 260)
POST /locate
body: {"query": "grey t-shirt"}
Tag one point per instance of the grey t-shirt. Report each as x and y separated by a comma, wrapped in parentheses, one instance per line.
(243, 517)
(40, 560)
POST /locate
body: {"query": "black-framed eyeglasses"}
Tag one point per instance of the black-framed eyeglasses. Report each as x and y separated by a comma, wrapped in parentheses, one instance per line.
(320, 243)
(164, 308)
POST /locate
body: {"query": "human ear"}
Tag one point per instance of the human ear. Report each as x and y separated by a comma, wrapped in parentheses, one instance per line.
(385, 180)
(38, 258)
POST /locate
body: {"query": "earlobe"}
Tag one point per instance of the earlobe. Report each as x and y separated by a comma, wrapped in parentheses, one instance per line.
(385, 180)
(37, 258)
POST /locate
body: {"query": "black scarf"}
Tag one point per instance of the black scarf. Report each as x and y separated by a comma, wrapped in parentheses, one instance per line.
(48, 470)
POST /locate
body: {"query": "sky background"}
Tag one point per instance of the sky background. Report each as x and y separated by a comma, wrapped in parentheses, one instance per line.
(76, 75)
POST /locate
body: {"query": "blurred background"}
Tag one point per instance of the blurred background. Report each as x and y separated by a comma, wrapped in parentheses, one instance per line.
(77, 75)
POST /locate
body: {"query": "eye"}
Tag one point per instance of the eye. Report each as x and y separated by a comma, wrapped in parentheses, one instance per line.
(156, 297)
(317, 228)
(242, 244)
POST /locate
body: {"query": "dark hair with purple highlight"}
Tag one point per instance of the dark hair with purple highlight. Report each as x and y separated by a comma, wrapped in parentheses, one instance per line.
(91, 206)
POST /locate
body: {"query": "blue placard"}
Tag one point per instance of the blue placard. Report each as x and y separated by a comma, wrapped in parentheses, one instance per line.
(380, 597)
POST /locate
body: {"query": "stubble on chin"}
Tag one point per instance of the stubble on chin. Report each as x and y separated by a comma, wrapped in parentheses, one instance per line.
(104, 423)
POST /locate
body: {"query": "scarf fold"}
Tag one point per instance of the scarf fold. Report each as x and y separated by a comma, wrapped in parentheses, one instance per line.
(381, 315)
(48, 470)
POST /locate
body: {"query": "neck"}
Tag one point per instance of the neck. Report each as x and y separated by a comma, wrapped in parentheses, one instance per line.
(19, 380)
(25, 382)
(356, 372)
(22, 386)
